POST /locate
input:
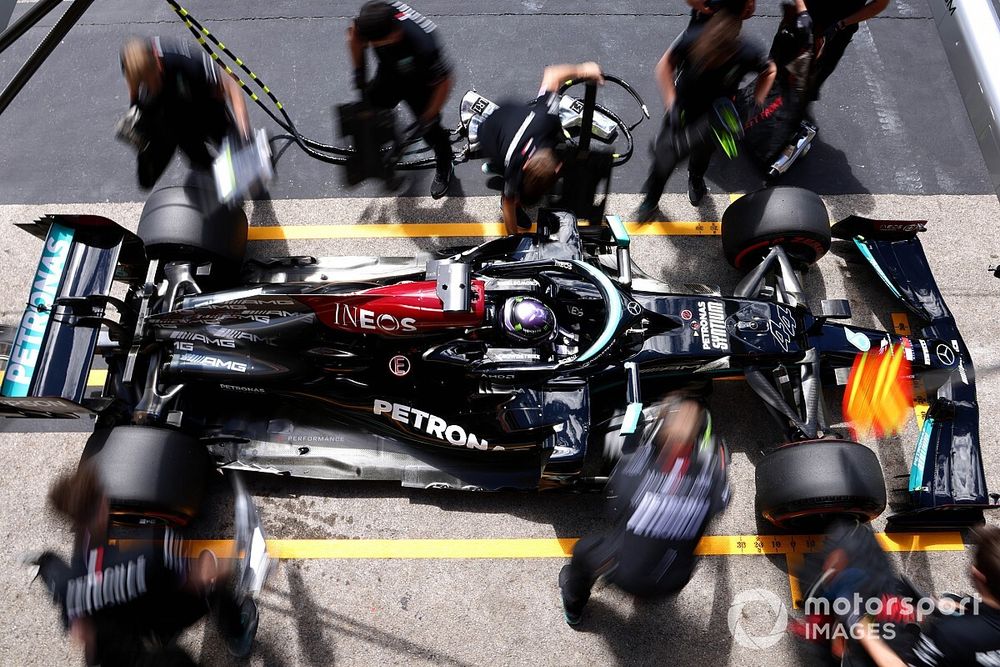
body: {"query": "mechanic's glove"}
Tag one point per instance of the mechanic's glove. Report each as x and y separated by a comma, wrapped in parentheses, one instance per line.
(359, 78)
(127, 128)
(804, 30)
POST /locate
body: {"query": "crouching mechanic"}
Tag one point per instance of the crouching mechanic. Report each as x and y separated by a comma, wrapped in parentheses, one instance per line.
(127, 605)
(519, 140)
(666, 491)
(708, 62)
(411, 68)
(957, 633)
(178, 97)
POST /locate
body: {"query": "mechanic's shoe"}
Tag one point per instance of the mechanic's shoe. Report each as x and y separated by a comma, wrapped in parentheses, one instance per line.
(696, 189)
(646, 211)
(33, 561)
(572, 609)
(439, 186)
(239, 645)
(523, 219)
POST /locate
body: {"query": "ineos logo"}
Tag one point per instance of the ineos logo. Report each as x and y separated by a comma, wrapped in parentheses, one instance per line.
(945, 354)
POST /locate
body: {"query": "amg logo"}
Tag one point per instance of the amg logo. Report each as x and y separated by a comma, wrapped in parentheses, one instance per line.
(362, 318)
(202, 338)
(214, 362)
(712, 317)
(238, 304)
(429, 424)
(237, 334)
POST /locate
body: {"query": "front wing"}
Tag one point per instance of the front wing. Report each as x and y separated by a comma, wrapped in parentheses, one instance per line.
(947, 469)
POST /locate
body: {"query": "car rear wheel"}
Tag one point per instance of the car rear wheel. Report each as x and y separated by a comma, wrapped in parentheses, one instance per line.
(187, 223)
(150, 472)
(806, 483)
(793, 218)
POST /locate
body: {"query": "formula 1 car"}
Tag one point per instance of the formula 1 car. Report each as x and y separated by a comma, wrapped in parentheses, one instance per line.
(516, 364)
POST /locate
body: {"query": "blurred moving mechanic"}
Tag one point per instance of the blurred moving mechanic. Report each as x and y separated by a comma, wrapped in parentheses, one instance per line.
(519, 141)
(834, 25)
(127, 605)
(665, 492)
(412, 68)
(702, 10)
(953, 634)
(178, 97)
(708, 62)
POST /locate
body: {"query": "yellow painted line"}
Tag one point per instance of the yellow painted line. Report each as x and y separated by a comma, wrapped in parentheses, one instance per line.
(793, 564)
(454, 230)
(901, 324)
(405, 548)
(96, 378)
(733, 196)
(943, 541)
(710, 545)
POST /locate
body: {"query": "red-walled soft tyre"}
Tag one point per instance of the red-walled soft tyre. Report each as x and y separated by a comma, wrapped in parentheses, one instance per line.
(813, 482)
(793, 218)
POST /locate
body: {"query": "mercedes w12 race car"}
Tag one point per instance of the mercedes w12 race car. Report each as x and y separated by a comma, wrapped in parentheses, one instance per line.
(519, 363)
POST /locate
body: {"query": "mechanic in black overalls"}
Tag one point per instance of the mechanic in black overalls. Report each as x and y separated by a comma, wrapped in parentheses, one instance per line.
(179, 97)
(412, 68)
(127, 605)
(834, 24)
(709, 61)
(959, 632)
(664, 494)
(519, 140)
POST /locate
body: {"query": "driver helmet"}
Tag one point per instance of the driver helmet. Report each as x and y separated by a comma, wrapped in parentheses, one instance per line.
(528, 319)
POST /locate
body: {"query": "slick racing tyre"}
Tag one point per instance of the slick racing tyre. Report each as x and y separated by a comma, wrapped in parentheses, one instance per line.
(187, 223)
(150, 472)
(793, 218)
(812, 482)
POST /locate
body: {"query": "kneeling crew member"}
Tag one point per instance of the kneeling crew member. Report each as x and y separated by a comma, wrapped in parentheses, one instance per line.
(519, 141)
(412, 68)
(179, 97)
(128, 605)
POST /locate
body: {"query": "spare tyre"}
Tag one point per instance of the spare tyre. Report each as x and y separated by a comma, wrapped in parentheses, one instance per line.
(184, 222)
(794, 218)
(811, 482)
(150, 472)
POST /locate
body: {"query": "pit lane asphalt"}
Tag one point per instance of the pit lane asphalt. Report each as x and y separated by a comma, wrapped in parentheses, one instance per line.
(881, 139)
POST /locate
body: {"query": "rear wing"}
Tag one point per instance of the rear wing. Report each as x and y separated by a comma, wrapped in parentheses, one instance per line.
(51, 349)
(947, 470)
